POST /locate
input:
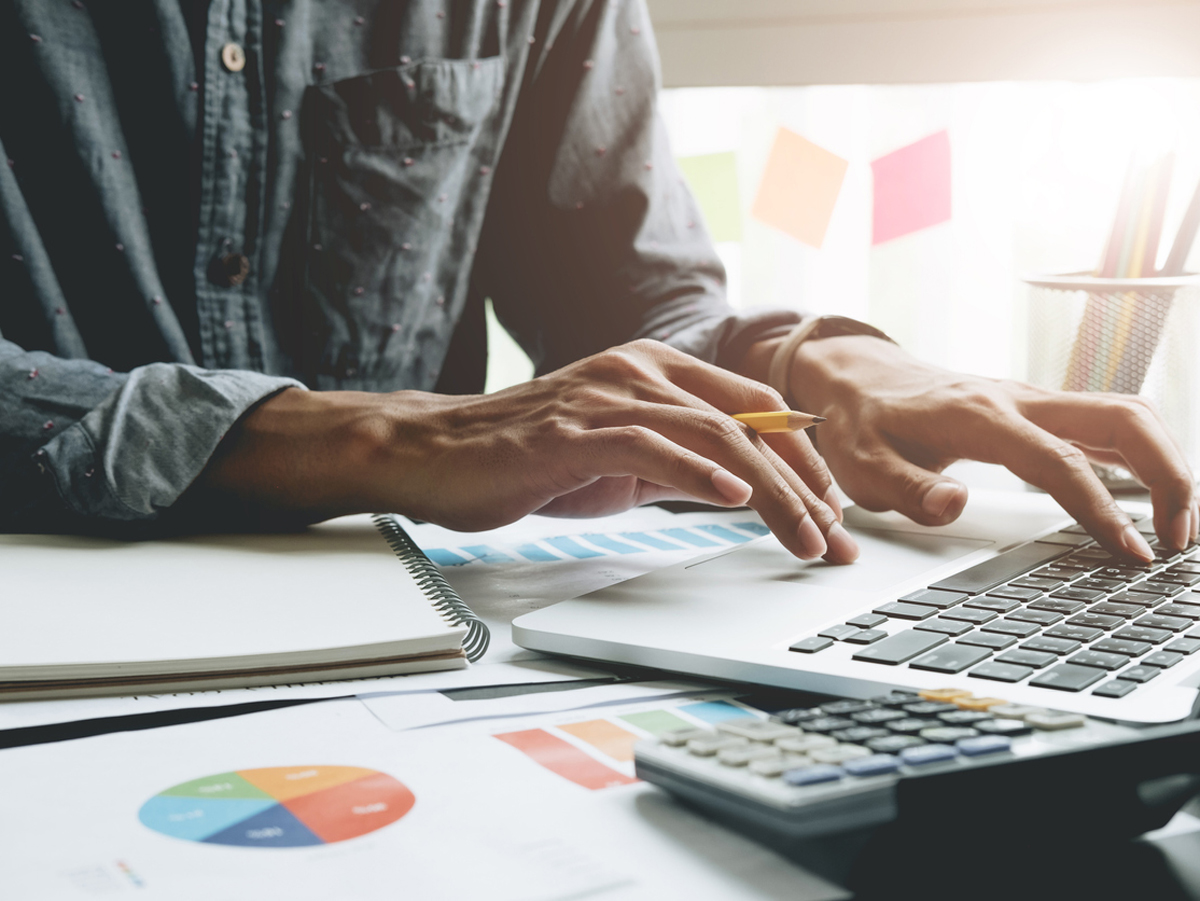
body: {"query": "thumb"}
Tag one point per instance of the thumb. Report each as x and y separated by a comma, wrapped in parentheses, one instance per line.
(893, 483)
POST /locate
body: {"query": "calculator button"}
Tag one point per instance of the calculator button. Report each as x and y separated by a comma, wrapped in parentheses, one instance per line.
(930, 708)
(901, 647)
(743, 755)
(1036, 659)
(709, 745)
(1073, 633)
(1050, 645)
(952, 658)
(1052, 721)
(1068, 677)
(1121, 646)
(945, 626)
(867, 620)
(865, 636)
(811, 645)
(859, 734)
(894, 743)
(993, 640)
(798, 715)
(1141, 633)
(677, 738)
(964, 717)
(1041, 617)
(838, 753)
(777, 765)
(1162, 659)
(878, 715)
(838, 632)
(828, 724)
(811, 775)
(927, 754)
(1000, 672)
(1140, 674)
(1015, 711)
(875, 765)
(1011, 627)
(1057, 606)
(896, 699)
(1115, 688)
(900, 610)
(1011, 728)
(755, 729)
(1184, 645)
(909, 725)
(1000, 605)
(1099, 659)
(931, 597)
(970, 703)
(1171, 623)
(846, 707)
(982, 744)
(1096, 621)
(802, 744)
(947, 733)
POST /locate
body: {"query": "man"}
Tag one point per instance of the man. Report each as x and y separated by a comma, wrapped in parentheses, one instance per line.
(209, 206)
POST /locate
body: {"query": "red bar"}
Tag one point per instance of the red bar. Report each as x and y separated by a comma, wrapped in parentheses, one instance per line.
(565, 759)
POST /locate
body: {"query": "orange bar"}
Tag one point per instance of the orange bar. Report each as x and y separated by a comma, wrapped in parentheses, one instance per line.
(607, 738)
(565, 759)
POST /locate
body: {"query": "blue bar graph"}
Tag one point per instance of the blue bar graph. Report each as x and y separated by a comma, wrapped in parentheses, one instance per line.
(755, 527)
(689, 537)
(443, 557)
(485, 554)
(650, 540)
(725, 534)
(574, 548)
(536, 554)
(612, 544)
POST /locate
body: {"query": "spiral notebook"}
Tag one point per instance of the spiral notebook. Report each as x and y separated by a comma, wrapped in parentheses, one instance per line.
(350, 598)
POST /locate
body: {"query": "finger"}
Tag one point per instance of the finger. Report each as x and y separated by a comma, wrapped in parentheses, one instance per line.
(797, 451)
(1130, 428)
(880, 478)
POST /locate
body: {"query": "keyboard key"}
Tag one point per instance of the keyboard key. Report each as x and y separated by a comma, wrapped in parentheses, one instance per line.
(1141, 633)
(901, 610)
(1075, 529)
(1041, 617)
(1099, 659)
(1115, 688)
(948, 734)
(1055, 721)
(1139, 674)
(1011, 627)
(865, 636)
(875, 765)
(1137, 597)
(1039, 584)
(1036, 659)
(1094, 584)
(982, 744)
(1095, 621)
(1189, 611)
(1179, 578)
(1125, 611)
(894, 743)
(1184, 645)
(1072, 633)
(1001, 672)
(1185, 568)
(1154, 621)
(1050, 645)
(878, 715)
(1055, 605)
(1000, 569)
(1162, 659)
(1078, 594)
(858, 734)
(1167, 589)
(1011, 728)
(952, 658)
(838, 632)
(1121, 646)
(1118, 574)
(931, 597)
(945, 626)
(811, 645)
(1015, 593)
(811, 775)
(993, 640)
(1066, 677)
(867, 621)
(1000, 605)
(926, 754)
(971, 615)
(901, 647)
(1056, 573)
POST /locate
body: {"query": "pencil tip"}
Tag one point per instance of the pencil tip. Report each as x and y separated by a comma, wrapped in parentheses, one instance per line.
(817, 419)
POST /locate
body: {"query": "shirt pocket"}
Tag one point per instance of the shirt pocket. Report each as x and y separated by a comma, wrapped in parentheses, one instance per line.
(395, 154)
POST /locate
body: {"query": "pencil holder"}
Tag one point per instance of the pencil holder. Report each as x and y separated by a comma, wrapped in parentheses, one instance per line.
(1124, 335)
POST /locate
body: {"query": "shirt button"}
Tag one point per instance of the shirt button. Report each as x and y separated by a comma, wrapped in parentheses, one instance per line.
(230, 270)
(233, 57)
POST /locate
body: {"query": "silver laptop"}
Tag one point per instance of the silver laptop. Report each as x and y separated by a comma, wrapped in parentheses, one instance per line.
(1013, 601)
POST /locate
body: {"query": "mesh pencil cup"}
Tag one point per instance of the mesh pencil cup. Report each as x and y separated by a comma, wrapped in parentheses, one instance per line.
(1124, 335)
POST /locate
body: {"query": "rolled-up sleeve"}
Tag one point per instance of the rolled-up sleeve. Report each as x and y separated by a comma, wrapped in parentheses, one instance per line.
(80, 443)
(592, 237)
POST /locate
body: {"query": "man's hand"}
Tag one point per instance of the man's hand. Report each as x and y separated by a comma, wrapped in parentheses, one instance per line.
(895, 423)
(635, 424)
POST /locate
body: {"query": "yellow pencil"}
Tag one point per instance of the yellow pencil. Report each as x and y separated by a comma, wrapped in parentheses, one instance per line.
(778, 421)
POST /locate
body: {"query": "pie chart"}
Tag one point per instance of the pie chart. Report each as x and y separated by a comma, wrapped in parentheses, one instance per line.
(279, 806)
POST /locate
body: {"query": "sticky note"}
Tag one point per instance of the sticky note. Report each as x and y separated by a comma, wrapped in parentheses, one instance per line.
(799, 188)
(912, 188)
(713, 180)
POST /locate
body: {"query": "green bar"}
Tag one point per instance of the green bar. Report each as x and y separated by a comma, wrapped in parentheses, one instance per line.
(656, 722)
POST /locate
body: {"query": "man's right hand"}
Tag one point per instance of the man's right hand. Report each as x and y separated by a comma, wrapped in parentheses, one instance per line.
(634, 424)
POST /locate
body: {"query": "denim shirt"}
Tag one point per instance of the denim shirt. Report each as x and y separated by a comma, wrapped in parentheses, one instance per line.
(315, 193)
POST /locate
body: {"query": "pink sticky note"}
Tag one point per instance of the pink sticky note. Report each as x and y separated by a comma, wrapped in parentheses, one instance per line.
(912, 188)
(799, 188)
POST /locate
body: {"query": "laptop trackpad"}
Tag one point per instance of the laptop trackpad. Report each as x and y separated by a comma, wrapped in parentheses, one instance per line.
(888, 558)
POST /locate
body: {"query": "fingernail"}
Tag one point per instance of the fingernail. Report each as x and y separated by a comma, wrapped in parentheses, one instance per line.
(938, 499)
(833, 502)
(812, 542)
(1181, 529)
(1195, 521)
(1135, 544)
(731, 487)
(842, 547)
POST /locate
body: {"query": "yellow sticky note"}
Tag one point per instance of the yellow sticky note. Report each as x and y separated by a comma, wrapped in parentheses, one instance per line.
(713, 180)
(799, 188)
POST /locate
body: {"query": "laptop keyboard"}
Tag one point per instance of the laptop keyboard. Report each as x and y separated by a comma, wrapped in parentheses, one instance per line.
(1059, 613)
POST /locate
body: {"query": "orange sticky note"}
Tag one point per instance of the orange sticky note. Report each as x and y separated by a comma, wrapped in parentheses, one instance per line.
(799, 188)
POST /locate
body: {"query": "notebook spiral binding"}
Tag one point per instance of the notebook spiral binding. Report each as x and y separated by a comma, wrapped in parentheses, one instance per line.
(445, 599)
